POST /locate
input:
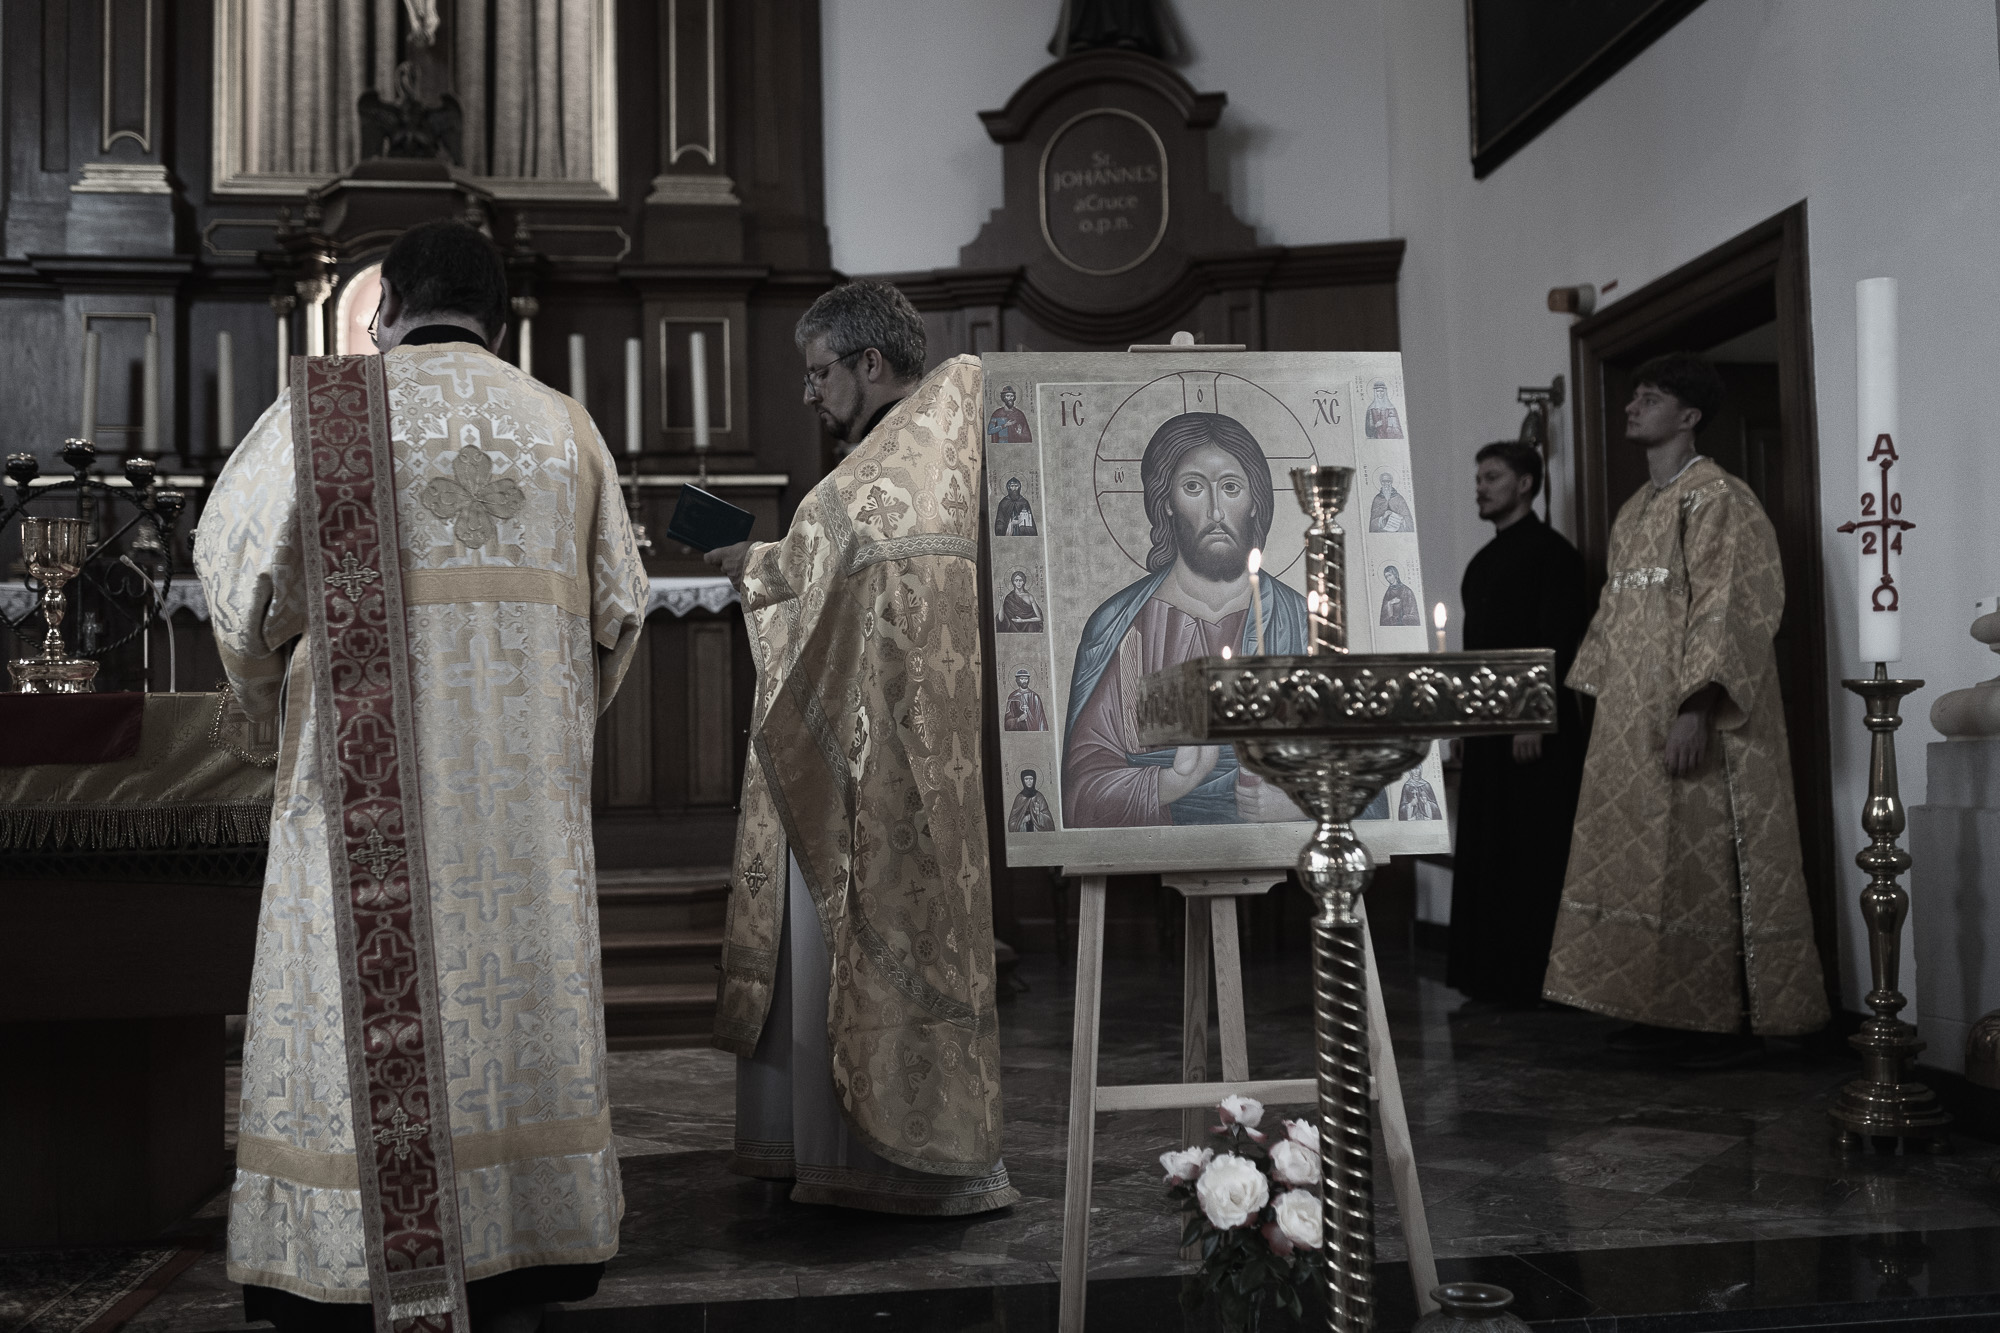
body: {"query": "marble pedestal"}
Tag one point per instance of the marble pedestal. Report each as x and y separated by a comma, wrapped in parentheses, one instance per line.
(1954, 841)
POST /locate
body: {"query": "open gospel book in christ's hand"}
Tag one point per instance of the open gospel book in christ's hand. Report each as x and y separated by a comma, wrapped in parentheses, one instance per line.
(707, 522)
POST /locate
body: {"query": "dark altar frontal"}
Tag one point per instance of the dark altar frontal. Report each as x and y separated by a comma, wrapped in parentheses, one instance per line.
(132, 835)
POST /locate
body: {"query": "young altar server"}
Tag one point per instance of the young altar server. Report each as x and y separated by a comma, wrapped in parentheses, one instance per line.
(857, 976)
(1685, 907)
(421, 562)
(1517, 794)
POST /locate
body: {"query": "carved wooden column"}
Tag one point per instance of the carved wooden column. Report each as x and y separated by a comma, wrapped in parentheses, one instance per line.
(693, 213)
(122, 198)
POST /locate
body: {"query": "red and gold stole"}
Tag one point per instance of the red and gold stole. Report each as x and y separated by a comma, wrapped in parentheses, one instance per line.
(381, 892)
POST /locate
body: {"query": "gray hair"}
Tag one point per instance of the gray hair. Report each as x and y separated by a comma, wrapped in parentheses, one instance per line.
(864, 314)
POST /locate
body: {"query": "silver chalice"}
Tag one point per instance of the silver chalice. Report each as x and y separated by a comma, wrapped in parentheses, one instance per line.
(54, 551)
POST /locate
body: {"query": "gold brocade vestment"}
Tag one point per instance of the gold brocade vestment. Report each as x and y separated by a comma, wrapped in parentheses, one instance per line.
(1685, 903)
(525, 599)
(865, 766)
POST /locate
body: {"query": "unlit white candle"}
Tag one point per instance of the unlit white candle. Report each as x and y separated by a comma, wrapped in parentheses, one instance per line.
(284, 354)
(698, 381)
(1257, 600)
(93, 347)
(225, 391)
(576, 369)
(633, 443)
(525, 353)
(149, 427)
(1879, 545)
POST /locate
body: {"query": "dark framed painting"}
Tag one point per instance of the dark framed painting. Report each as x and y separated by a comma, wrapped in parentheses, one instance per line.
(1529, 61)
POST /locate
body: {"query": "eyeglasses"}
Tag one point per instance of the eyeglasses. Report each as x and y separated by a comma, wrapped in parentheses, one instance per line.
(816, 375)
(373, 320)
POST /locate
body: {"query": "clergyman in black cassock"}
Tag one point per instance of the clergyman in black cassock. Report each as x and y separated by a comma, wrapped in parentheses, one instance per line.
(1524, 589)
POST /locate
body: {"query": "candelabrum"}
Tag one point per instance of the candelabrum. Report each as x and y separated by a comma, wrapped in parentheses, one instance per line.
(1884, 1103)
(66, 555)
(1332, 729)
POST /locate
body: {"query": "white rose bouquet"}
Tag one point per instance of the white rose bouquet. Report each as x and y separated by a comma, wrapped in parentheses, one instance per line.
(1252, 1208)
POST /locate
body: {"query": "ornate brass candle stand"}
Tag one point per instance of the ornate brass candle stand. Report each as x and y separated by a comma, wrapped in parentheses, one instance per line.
(1883, 1102)
(1332, 730)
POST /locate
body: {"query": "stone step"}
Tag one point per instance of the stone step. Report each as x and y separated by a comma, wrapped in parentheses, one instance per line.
(656, 1016)
(655, 957)
(645, 901)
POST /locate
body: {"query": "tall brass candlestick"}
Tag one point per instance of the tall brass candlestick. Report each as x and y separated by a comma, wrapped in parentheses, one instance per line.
(1322, 493)
(1883, 1102)
(1332, 729)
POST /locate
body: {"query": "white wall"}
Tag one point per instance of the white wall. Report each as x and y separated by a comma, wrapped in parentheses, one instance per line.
(1885, 118)
(911, 175)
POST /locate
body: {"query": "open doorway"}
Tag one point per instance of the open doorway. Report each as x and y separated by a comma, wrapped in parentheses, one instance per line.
(1743, 305)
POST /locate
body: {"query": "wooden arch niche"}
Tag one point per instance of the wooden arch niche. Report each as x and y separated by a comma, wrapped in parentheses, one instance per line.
(1745, 305)
(1118, 142)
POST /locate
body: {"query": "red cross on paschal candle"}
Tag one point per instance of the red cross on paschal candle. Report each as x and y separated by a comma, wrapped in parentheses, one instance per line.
(1879, 525)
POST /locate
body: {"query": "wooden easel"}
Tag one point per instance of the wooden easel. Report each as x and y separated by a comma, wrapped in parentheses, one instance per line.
(1211, 942)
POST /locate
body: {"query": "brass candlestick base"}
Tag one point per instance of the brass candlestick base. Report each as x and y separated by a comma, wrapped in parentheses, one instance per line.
(1883, 1102)
(1331, 730)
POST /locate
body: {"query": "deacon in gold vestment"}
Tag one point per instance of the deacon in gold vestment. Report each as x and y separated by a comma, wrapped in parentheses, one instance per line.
(1685, 904)
(525, 599)
(858, 976)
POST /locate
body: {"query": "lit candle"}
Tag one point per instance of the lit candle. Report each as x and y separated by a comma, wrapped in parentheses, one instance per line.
(225, 391)
(698, 376)
(149, 420)
(632, 428)
(1226, 653)
(1257, 599)
(1437, 619)
(1882, 522)
(576, 369)
(93, 346)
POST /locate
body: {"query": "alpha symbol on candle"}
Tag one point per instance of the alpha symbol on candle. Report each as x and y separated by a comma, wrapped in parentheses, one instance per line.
(1881, 526)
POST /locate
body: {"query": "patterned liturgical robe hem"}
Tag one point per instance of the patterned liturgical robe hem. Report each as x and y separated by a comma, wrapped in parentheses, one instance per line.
(1685, 902)
(865, 744)
(525, 599)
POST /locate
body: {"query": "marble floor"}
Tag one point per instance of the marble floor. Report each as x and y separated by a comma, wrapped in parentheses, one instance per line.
(1532, 1141)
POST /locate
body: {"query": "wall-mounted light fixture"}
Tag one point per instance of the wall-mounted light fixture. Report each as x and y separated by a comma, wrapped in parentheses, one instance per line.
(1577, 300)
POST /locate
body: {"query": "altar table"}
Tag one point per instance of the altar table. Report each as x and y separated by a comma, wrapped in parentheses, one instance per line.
(130, 877)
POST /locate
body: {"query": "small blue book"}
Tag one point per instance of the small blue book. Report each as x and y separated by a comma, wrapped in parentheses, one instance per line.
(706, 521)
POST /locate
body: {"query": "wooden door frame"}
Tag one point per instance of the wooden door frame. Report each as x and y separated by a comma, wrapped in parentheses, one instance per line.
(1771, 253)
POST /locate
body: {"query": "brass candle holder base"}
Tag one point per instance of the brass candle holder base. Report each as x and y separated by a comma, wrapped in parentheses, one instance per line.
(1884, 1103)
(60, 675)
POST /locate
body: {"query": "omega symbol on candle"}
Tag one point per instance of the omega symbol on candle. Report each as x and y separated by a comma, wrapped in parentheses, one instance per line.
(1881, 524)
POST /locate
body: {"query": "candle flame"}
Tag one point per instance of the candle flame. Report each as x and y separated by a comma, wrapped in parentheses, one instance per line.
(1438, 615)
(1312, 603)
(1256, 559)
(1226, 654)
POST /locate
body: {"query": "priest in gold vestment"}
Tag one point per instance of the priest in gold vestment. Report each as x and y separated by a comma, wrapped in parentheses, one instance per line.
(858, 974)
(524, 601)
(1685, 904)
